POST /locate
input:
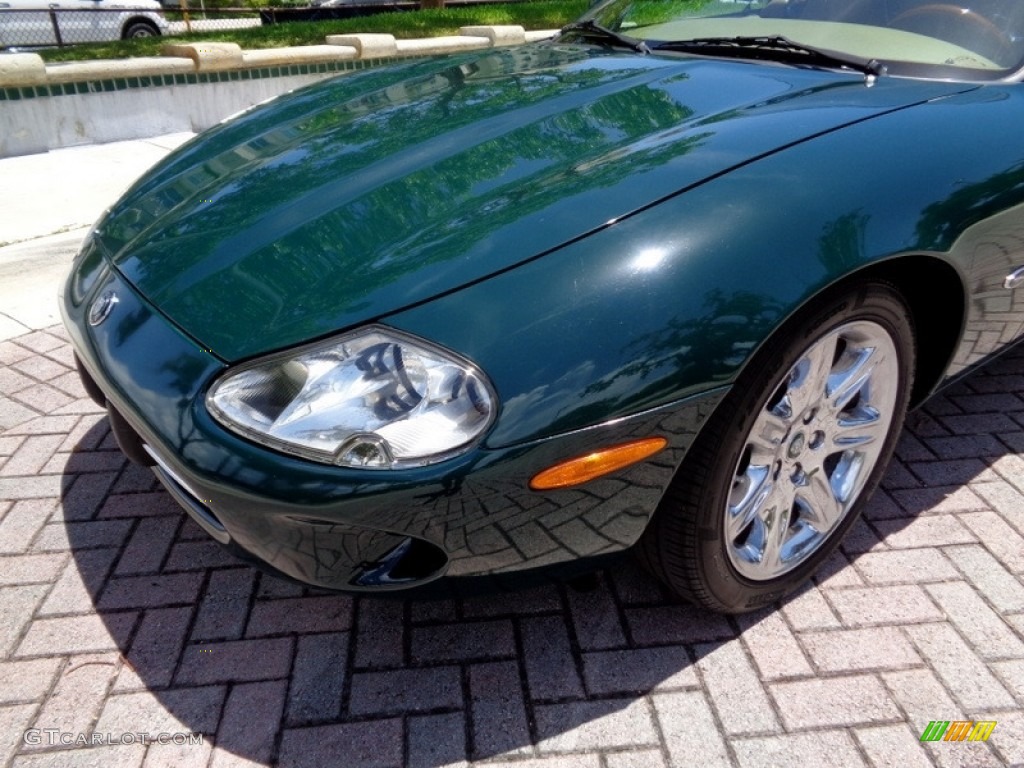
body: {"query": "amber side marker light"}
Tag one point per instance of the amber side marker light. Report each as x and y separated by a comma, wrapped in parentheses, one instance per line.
(596, 464)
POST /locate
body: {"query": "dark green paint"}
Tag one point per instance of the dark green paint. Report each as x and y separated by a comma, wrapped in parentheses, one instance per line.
(349, 201)
(593, 332)
(609, 237)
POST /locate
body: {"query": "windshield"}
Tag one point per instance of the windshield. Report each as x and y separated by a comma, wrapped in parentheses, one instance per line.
(978, 39)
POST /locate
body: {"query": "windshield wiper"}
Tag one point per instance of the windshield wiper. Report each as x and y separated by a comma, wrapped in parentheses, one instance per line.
(774, 48)
(591, 29)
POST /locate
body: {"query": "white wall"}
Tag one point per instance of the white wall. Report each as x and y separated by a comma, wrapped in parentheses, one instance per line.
(49, 122)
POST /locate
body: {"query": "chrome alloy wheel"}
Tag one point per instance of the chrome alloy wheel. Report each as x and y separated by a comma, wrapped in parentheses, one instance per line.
(811, 450)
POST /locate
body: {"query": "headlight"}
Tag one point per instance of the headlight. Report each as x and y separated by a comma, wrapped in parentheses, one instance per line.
(373, 398)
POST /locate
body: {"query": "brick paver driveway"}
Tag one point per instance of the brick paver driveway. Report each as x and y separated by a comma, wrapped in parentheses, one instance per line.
(120, 621)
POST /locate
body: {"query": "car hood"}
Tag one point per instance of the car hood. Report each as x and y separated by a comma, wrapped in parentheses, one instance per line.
(366, 194)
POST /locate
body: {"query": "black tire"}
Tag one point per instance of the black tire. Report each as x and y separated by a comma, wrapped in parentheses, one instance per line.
(139, 28)
(711, 539)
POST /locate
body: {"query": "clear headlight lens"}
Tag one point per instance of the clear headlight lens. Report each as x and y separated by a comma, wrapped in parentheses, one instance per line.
(374, 398)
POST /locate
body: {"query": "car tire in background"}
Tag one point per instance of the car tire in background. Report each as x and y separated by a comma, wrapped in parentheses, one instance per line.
(139, 28)
(788, 460)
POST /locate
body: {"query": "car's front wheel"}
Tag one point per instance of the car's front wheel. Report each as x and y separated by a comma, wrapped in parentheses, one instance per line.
(786, 463)
(140, 28)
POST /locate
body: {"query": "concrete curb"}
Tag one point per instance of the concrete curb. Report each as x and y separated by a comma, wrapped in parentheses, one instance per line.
(498, 35)
(368, 46)
(79, 71)
(29, 69)
(300, 54)
(208, 57)
(433, 46)
(20, 69)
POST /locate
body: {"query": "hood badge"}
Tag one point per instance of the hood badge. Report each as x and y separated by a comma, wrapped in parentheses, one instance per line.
(102, 307)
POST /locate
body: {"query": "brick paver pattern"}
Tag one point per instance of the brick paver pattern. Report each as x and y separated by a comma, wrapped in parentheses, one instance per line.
(118, 616)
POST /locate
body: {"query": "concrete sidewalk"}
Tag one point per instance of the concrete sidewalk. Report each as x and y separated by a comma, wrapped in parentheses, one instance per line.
(47, 203)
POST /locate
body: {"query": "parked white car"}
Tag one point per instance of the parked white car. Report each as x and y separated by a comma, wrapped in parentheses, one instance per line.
(25, 23)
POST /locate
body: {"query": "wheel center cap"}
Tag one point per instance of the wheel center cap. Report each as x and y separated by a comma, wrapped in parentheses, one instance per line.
(796, 445)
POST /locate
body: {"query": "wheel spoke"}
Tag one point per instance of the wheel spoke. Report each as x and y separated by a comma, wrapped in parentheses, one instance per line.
(819, 501)
(849, 475)
(858, 430)
(810, 384)
(767, 436)
(776, 529)
(853, 378)
(755, 486)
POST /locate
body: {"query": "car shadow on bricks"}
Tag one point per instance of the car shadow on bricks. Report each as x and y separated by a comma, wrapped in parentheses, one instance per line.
(272, 671)
(955, 484)
(194, 641)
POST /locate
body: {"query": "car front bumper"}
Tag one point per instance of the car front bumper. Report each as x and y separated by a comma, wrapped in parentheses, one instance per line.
(350, 529)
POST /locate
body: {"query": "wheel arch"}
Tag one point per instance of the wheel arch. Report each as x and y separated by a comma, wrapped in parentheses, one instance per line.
(133, 20)
(938, 304)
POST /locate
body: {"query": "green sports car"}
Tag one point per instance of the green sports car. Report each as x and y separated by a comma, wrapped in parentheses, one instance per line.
(667, 283)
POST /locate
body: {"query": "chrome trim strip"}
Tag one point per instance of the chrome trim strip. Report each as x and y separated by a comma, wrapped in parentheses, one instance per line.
(1014, 280)
(188, 498)
(174, 475)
